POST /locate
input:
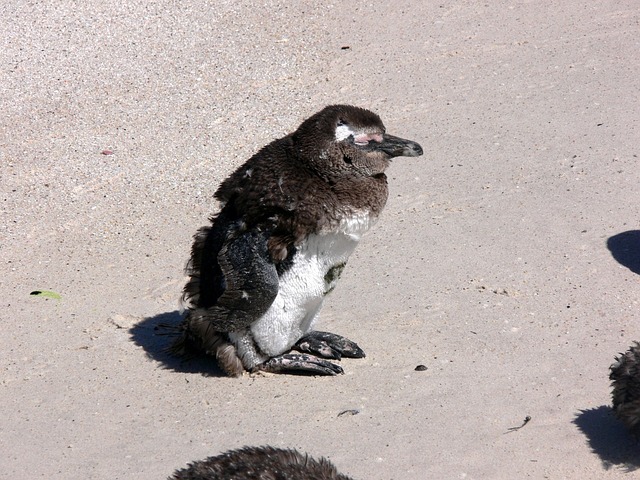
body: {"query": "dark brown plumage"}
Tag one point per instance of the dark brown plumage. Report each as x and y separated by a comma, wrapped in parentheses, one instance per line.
(625, 382)
(260, 463)
(289, 219)
(308, 180)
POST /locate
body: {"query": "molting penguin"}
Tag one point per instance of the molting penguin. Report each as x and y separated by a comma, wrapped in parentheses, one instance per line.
(625, 382)
(289, 219)
(259, 463)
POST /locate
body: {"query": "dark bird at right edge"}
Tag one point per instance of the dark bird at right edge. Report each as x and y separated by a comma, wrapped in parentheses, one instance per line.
(289, 219)
(625, 381)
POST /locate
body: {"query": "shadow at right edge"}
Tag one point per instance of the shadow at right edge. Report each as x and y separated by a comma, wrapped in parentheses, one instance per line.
(609, 439)
(625, 248)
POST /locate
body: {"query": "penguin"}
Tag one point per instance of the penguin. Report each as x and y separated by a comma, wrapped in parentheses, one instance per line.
(289, 218)
(258, 463)
(625, 383)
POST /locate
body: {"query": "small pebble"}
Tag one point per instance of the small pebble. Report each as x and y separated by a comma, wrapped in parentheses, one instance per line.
(421, 368)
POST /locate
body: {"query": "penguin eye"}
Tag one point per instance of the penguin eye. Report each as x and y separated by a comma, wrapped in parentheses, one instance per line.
(362, 139)
(341, 122)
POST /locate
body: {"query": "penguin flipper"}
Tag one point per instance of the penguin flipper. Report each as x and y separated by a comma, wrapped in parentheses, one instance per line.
(250, 282)
(329, 345)
(299, 363)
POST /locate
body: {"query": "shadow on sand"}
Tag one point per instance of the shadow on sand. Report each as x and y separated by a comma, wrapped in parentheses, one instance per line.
(625, 248)
(608, 438)
(156, 334)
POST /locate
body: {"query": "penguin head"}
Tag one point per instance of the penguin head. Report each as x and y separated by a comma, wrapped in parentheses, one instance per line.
(343, 140)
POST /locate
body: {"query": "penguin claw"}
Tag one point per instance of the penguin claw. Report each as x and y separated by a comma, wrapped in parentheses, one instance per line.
(299, 363)
(329, 345)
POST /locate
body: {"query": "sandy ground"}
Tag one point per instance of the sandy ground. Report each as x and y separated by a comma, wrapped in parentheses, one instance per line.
(506, 261)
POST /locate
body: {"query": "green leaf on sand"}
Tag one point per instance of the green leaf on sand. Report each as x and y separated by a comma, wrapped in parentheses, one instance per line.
(46, 294)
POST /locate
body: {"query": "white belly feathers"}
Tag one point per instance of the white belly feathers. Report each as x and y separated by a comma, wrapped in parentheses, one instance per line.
(316, 268)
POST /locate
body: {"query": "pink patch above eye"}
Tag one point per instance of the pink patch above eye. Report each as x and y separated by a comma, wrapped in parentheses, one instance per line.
(365, 138)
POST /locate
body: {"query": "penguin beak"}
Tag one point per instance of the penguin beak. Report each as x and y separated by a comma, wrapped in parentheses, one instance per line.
(397, 147)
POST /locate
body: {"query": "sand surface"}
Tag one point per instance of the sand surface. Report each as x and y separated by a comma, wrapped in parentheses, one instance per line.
(506, 261)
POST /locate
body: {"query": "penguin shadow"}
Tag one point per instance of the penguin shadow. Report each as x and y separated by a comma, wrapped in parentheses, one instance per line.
(608, 438)
(156, 334)
(625, 248)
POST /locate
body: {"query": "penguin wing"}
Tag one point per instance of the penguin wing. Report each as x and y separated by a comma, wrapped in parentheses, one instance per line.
(249, 282)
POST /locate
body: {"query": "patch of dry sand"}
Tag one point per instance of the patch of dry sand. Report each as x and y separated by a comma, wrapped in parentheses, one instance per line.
(506, 261)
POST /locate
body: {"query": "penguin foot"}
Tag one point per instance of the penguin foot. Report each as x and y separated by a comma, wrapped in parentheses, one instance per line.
(329, 345)
(299, 363)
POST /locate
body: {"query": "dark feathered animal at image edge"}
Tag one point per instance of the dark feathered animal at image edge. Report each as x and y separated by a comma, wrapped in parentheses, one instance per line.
(289, 219)
(625, 381)
(260, 463)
